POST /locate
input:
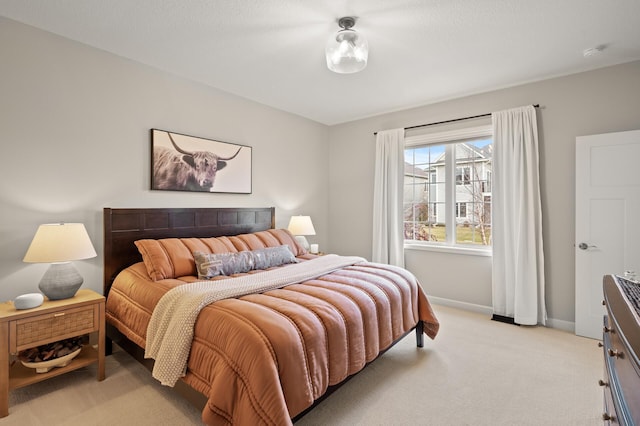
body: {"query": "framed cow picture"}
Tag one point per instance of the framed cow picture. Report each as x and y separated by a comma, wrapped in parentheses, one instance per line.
(188, 163)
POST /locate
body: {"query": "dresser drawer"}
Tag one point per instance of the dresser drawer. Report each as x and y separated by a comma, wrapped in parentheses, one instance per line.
(625, 382)
(610, 416)
(46, 328)
(612, 395)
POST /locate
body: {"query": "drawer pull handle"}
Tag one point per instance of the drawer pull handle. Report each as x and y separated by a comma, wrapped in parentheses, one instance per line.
(600, 344)
(614, 353)
(602, 383)
(608, 329)
(607, 416)
(59, 314)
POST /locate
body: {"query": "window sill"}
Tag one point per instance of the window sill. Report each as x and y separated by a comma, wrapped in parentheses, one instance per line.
(471, 251)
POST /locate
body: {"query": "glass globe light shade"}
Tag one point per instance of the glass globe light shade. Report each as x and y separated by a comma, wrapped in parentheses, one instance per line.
(347, 52)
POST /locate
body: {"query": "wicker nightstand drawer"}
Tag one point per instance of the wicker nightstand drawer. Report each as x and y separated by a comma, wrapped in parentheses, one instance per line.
(38, 330)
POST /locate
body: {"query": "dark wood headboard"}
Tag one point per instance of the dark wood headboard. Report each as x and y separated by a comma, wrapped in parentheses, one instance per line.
(124, 226)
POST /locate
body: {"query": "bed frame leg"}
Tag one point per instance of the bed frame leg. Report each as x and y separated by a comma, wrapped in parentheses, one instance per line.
(108, 346)
(420, 334)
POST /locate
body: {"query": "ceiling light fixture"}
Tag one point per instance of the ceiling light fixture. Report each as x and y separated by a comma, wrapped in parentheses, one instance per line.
(347, 51)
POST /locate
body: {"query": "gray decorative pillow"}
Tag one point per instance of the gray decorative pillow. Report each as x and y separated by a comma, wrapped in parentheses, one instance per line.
(206, 265)
(268, 257)
(210, 265)
(235, 263)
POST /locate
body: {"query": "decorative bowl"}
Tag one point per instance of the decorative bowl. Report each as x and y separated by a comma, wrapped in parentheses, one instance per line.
(46, 366)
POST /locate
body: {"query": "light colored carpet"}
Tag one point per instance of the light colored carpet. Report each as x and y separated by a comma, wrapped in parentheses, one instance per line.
(476, 372)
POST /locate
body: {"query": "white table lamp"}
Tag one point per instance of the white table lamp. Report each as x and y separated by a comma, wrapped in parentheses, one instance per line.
(59, 244)
(300, 226)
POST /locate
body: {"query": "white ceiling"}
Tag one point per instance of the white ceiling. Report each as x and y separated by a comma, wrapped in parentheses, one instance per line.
(421, 51)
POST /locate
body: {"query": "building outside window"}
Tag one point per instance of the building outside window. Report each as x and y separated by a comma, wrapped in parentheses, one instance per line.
(447, 188)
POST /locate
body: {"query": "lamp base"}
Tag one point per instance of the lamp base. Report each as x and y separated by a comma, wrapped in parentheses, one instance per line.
(61, 281)
(303, 241)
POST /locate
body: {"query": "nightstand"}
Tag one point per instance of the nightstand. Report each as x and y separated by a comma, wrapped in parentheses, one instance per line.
(52, 321)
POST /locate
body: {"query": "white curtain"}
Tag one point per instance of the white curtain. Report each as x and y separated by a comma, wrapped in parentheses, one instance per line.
(388, 235)
(518, 261)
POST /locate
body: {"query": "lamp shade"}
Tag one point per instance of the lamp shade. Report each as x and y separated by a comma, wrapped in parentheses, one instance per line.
(301, 225)
(60, 242)
(347, 51)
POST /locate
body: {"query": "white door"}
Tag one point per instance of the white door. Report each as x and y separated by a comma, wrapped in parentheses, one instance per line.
(607, 219)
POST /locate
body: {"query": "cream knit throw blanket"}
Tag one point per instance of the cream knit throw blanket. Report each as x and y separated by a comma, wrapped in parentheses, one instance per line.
(170, 330)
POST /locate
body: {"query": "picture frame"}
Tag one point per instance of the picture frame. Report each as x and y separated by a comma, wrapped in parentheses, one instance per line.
(181, 162)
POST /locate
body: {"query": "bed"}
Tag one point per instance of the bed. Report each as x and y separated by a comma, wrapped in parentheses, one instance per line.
(263, 356)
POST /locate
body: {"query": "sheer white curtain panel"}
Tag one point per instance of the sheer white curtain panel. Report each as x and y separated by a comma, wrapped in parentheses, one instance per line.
(518, 260)
(388, 235)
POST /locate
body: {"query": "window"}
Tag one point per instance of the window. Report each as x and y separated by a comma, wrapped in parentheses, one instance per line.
(461, 210)
(463, 175)
(447, 188)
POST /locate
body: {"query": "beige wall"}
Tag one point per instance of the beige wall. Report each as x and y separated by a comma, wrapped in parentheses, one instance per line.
(600, 101)
(74, 131)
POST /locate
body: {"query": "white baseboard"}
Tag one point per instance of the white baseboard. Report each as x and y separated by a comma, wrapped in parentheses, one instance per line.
(488, 310)
(569, 326)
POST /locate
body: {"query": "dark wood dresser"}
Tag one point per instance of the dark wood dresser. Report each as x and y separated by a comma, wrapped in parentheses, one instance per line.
(621, 345)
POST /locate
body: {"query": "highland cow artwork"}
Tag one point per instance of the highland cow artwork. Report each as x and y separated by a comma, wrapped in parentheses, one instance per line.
(188, 163)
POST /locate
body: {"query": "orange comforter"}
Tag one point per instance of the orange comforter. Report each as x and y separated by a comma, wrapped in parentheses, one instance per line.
(264, 358)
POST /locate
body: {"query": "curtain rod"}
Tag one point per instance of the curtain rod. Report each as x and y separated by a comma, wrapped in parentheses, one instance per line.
(452, 120)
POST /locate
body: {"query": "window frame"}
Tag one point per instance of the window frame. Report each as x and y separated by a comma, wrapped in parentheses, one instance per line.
(449, 137)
